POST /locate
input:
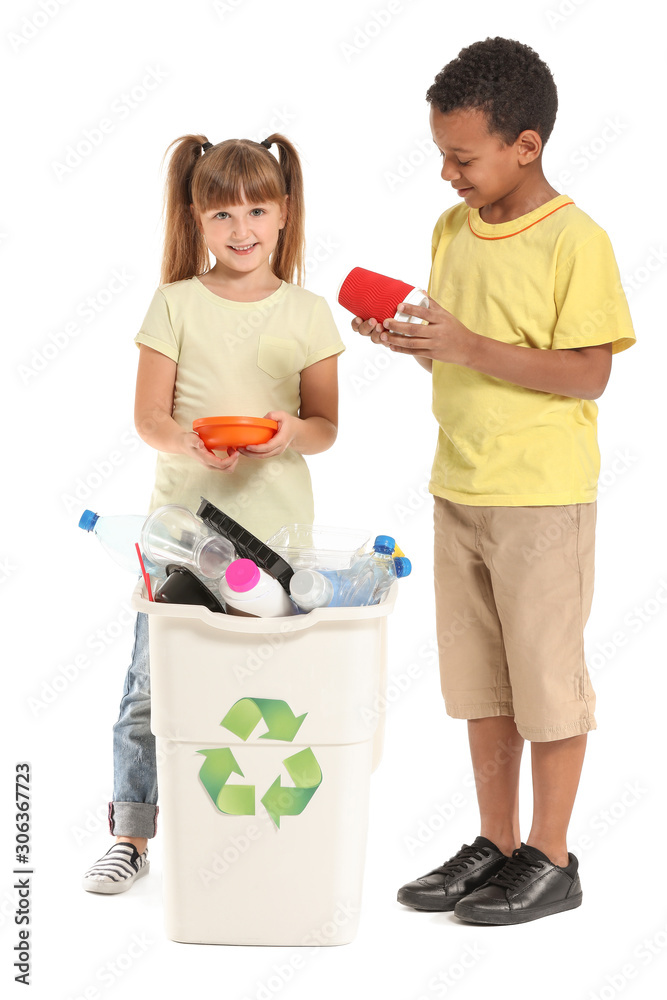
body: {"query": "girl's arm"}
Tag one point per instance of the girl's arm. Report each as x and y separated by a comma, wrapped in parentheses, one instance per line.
(318, 414)
(153, 405)
(316, 427)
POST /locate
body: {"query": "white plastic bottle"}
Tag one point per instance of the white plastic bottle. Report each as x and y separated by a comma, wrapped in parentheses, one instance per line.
(247, 588)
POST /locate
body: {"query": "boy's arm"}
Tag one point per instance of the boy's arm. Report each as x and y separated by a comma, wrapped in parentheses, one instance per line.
(579, 372)
(371, 328)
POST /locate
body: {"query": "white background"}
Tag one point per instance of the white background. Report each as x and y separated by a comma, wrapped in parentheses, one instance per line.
(346, 82)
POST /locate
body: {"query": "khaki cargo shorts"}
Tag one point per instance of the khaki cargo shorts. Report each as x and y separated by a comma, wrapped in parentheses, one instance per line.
(513, 591)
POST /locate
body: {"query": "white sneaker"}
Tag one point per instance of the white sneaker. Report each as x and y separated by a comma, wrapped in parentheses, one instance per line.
(117, 869)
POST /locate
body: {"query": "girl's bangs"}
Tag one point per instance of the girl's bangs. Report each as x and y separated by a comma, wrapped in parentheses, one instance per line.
(237, 174)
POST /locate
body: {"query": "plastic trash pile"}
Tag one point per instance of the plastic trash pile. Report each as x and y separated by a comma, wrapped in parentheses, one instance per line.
(209, 559)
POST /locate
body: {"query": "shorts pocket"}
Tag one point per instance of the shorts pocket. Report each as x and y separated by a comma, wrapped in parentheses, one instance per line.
(570, 514)
(279, 357)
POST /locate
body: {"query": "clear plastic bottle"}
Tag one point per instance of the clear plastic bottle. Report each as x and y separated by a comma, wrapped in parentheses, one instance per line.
(173, 534)
(118, 534)
(364, 583)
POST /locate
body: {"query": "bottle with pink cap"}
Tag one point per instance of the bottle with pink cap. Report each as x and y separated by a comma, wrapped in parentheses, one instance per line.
(248, 589)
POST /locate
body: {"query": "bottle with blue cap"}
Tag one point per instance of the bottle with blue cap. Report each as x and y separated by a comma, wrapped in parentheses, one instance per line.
(364, 583)
(118, 534)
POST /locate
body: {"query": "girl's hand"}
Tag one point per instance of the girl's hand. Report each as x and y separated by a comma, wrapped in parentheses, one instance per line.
(444, 339)
(368, 328)
(281, 440)
(194, 447)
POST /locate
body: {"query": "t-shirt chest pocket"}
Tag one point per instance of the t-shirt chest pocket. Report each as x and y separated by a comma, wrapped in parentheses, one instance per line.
(279, 357)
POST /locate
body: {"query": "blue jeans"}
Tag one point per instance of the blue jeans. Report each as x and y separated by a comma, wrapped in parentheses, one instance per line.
(133, 811)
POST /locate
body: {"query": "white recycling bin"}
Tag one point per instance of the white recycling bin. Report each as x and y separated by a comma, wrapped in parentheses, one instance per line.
(267, 731)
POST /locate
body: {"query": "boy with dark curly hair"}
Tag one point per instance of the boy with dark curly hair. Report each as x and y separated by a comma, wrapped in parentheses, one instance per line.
(525, 311)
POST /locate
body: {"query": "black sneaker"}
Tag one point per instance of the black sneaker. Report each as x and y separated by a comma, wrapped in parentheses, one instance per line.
(529, 886)
(442, 888)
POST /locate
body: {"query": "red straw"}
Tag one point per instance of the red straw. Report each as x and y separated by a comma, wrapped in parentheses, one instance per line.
(147, 579)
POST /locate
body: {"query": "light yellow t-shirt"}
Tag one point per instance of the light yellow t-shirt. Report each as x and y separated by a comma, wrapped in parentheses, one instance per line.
(547, 280)
(238, 359)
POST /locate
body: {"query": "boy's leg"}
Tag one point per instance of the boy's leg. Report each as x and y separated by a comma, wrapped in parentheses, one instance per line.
(495, 749)
(476, 687)
(556, 771)
(542, 566)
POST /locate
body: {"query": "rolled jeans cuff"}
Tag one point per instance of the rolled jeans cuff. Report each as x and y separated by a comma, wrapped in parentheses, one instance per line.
(133, 819)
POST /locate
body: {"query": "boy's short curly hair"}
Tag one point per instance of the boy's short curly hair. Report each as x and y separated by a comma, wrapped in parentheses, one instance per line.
(504, 78)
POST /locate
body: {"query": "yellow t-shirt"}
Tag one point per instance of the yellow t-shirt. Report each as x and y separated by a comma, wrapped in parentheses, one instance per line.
(238, 359)
(547, 280)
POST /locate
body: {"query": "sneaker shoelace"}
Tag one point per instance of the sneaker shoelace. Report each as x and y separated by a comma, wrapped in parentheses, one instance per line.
(463, 859)
(519, 867)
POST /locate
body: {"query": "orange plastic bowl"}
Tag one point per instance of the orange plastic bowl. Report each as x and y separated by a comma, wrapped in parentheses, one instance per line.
(220, 433)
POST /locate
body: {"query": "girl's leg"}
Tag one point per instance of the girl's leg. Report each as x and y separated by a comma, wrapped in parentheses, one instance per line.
(556, 771)
(495, 749)
(133, 811)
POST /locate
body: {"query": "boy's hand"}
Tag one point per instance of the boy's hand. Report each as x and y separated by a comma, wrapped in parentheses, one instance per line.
(368, 328)
(444, 339)
(194, 447)
(281, 440)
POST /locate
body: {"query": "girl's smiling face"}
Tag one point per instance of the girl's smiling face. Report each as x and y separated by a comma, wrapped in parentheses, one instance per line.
(478, 165)
(243, 237)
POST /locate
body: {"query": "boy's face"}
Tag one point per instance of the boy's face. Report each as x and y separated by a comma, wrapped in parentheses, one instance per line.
(477, 164)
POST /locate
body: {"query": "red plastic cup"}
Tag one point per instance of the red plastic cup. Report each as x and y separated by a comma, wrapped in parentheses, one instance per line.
(372, 295)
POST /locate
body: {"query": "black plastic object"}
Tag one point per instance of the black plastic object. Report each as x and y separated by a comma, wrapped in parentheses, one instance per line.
(247, 545)
(183, 587)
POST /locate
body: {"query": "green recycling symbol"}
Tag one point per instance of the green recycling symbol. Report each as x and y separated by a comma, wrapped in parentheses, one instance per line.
(220, 763)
